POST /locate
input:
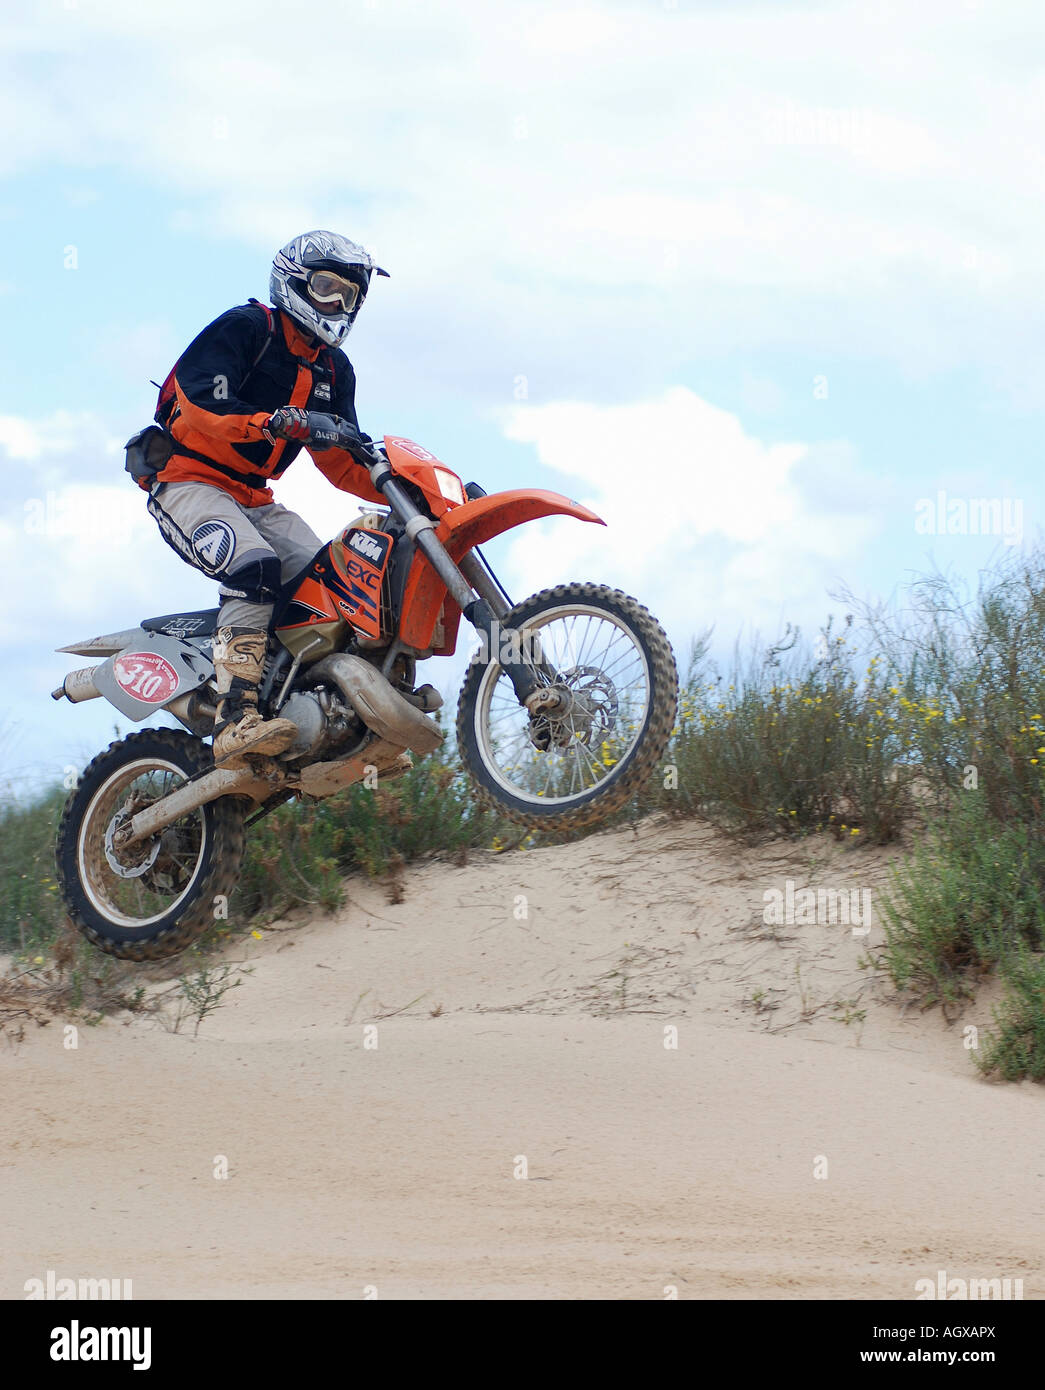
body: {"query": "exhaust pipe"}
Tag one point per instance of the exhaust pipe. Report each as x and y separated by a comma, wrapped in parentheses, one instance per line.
(191, 795)
(78, 685)
(380, 707)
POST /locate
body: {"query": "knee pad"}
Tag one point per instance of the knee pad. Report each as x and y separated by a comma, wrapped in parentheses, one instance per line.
(255, 579)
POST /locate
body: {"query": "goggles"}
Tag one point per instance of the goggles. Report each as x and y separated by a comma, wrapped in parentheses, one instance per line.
(328, 288)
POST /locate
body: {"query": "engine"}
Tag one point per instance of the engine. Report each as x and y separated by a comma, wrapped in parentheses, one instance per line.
(325, 724)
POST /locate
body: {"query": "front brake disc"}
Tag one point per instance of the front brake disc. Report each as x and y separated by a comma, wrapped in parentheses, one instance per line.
(590, 715)
(594, 702)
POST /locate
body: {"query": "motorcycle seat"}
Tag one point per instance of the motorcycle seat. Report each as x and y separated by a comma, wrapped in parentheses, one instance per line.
(201, 623)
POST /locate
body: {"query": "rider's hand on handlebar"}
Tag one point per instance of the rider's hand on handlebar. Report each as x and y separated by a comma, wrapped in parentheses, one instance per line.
(331, 432)
(321, 431)
(289, 422)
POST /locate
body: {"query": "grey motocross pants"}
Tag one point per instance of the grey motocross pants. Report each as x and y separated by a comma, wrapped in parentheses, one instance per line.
(250, 550)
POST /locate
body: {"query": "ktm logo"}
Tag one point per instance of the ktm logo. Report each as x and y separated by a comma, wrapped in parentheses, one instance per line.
(366, 546)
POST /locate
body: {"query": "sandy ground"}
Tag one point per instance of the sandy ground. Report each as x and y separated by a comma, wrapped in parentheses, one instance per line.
(520, 1006)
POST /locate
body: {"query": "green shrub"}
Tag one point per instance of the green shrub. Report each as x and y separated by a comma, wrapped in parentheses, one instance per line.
(969, 898)
(31, 910)
(793, 741)
(1017, 1050)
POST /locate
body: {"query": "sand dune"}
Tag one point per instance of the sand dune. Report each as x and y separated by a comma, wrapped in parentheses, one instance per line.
(521, 1005)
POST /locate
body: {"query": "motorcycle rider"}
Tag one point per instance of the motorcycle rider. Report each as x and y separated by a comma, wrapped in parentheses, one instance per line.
(249, 393)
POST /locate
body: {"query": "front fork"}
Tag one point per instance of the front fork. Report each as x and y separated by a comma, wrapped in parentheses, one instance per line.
(473, 589)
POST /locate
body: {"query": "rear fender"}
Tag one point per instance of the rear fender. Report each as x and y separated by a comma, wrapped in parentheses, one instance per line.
(108, 645)
(149, 672)
(460, 530)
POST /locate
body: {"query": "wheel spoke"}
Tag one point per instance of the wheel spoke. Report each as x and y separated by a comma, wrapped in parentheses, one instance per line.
(127, 892)
(598, 661)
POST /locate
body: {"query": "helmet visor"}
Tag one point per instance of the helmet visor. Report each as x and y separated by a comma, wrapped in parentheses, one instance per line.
(333, 290)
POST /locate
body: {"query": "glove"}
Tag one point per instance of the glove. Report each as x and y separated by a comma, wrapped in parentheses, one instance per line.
(319, 431)
(331, 432)
(289, 422)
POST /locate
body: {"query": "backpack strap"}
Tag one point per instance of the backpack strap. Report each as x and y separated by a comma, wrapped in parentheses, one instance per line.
(270, 324)
(167, 401)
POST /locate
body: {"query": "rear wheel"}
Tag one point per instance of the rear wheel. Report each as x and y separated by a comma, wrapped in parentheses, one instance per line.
(155, 898)
(610, 667)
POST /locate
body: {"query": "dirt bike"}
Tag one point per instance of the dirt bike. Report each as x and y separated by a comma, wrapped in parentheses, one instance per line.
(566, 706)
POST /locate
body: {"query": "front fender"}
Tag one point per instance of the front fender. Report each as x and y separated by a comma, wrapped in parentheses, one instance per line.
(460, 530)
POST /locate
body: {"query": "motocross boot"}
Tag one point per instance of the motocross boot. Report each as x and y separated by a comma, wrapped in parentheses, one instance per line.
(239, 657)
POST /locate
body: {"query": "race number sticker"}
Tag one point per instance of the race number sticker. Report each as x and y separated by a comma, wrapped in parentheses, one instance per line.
(418, 451)
(146, 676)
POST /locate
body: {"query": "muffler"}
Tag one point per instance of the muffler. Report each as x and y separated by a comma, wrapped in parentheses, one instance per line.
(381, 708)
(78, 685)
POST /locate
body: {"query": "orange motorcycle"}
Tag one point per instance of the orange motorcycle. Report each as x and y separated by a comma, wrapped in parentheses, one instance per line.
(566, 707)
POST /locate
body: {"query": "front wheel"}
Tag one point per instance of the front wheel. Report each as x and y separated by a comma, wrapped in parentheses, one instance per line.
(157, 897)
(611, 669)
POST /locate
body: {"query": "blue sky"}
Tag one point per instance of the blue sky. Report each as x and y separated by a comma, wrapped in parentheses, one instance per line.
(750, 279)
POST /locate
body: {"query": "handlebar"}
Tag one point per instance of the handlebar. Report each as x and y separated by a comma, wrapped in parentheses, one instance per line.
(332, 432)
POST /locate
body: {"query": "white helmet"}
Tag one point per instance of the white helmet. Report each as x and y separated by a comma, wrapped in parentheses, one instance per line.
(321, 279)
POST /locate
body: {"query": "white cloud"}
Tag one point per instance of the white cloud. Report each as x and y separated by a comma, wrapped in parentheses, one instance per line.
(19, 438)
(678, 447)
(856, 160)
(62, 433)
(706, 523)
